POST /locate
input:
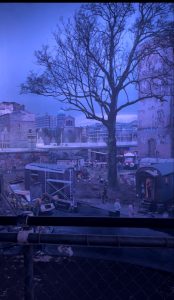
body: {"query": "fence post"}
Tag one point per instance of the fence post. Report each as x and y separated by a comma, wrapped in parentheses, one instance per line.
(28, 269)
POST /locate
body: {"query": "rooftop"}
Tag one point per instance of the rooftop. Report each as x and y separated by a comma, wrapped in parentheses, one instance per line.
(165, 168)
(46, 167)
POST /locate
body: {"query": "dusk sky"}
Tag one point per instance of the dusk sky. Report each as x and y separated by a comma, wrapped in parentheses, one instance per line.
(24, 28)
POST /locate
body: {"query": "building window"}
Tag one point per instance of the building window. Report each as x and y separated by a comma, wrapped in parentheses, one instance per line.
(160, 117)
(151, 148)
(69, 123)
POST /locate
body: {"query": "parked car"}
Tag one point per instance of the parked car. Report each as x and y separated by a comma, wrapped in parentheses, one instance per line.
(129, 163)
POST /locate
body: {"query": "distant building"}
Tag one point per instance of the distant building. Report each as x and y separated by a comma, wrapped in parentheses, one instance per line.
(125, 132)
(61, 119)
(17, 127)
(9, 107)
(97, 133)
(66, 131)
(155, 118)
(59, 129)
(69, 130)
(46, 121)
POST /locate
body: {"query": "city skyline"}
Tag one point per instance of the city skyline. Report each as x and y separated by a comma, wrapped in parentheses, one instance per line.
(24, 28)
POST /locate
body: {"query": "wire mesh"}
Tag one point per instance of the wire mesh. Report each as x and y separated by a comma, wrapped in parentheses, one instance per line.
(64, 276)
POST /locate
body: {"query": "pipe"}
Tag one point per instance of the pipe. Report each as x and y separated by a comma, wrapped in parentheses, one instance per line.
(91, 240)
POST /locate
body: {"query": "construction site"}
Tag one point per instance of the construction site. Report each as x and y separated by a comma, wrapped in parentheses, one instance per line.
(63, 187)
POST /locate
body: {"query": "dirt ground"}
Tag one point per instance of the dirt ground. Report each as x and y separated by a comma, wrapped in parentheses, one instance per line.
(93, 188)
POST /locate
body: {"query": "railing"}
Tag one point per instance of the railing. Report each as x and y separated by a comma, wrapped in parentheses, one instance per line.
(56, 273)
(153, 223)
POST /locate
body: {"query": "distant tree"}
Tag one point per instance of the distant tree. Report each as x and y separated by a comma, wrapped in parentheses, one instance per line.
(96, 58)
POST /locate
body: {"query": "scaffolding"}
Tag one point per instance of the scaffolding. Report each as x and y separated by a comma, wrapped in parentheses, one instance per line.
(55, 180)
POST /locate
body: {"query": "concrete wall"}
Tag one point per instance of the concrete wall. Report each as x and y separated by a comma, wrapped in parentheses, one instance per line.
(11, 160)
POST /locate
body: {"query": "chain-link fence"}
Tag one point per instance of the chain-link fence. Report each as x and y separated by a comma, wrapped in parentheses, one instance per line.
(53, 272)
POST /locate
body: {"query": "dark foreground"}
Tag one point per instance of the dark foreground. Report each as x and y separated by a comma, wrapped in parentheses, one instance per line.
(71, 278)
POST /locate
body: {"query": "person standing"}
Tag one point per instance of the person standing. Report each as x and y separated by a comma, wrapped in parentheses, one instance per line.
(117, 207)
(131, 209)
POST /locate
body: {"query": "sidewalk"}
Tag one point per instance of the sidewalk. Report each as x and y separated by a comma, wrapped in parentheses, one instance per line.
(108, 206)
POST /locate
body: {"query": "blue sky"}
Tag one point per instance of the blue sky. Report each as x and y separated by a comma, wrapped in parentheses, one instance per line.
(24, 28)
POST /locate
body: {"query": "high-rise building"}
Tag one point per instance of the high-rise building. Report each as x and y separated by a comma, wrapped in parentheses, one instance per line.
(46, 121)
(61, 119)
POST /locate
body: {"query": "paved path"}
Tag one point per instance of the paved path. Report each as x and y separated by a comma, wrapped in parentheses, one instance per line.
(108, 206)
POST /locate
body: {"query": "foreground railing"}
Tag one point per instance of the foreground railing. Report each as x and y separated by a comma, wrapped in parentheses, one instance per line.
(153, 223)
(27, 241)
(87, 240)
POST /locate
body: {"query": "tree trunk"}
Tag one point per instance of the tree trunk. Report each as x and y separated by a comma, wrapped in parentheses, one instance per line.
(112, 157)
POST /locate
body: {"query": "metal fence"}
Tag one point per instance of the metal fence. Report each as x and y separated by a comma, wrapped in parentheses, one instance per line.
(44, 266)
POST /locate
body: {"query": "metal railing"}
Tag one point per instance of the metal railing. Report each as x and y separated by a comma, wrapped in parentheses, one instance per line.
(163, 223)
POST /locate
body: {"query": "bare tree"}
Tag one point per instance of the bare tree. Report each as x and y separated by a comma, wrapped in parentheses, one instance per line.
(96, 59)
